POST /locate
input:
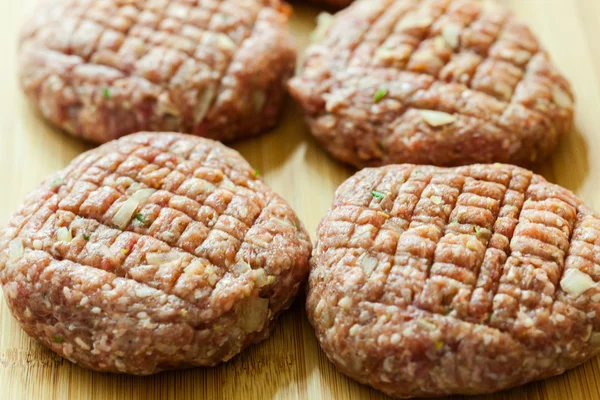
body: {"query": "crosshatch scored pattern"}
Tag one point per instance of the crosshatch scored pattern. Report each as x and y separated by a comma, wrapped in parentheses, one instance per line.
(143, 65)
(448, 253)
(223, 239)
(473, 61)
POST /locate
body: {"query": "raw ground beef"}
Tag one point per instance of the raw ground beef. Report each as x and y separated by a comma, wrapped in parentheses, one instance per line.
(433, 281)
(154, 252)
(442, 82)
(104, 69)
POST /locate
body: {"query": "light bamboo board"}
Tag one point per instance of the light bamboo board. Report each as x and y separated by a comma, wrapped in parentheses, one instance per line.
(289, 365)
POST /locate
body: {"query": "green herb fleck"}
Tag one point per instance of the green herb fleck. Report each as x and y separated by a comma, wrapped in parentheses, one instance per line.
(448, 310)
(417, 173)
(57, 182)
(381, 146)
(107, 93)
(58, 339)
(86, 237)
(439, 345)
(380, 94)
(256, 173)
(455, 221)
(477, 230)
(295, 225)
(377, 195)
(140, 218)
(44, 295)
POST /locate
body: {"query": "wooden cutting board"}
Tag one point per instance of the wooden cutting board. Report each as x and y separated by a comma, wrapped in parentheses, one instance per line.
(290, 364)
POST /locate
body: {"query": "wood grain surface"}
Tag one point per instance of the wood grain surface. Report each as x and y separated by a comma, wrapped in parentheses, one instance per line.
(290, 364)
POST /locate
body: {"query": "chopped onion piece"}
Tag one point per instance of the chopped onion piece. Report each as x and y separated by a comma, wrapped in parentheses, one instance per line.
(576, 282)
(261, 277)
(426, 325)
(165, 106)
(123, 216)
(241, 267)
(436, 200)
(472, 245)
(390, 55)
(259, 98)
(451, 33)
(440, 44)
(227, 184)
(135, 186)
(224, 42)
(324, 21)
(437, 118)
(143, 195)
(64, 234)
(195, 268)
(283, 222)
(82, 343)
(258, 242)
(161, 258)
(561, 98)
(204, 103)
(415, 21)
(252, 314)
(368, 265)
(144, 292)
(345, 302)
(15, 249)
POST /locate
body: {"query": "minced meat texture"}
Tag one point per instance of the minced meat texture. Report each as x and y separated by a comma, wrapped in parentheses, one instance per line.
(153, 252)
(442, 82)
(433, 281)
(104, 69)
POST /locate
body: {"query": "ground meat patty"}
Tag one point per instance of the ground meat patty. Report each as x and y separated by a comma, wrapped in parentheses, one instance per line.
(153, 252)
(442, 82)
(431, 281)
(104, 69)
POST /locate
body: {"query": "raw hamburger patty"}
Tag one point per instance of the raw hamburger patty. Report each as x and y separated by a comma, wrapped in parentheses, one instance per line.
(441, 82)
(104, 69)
(153, 252)
(430, 281)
